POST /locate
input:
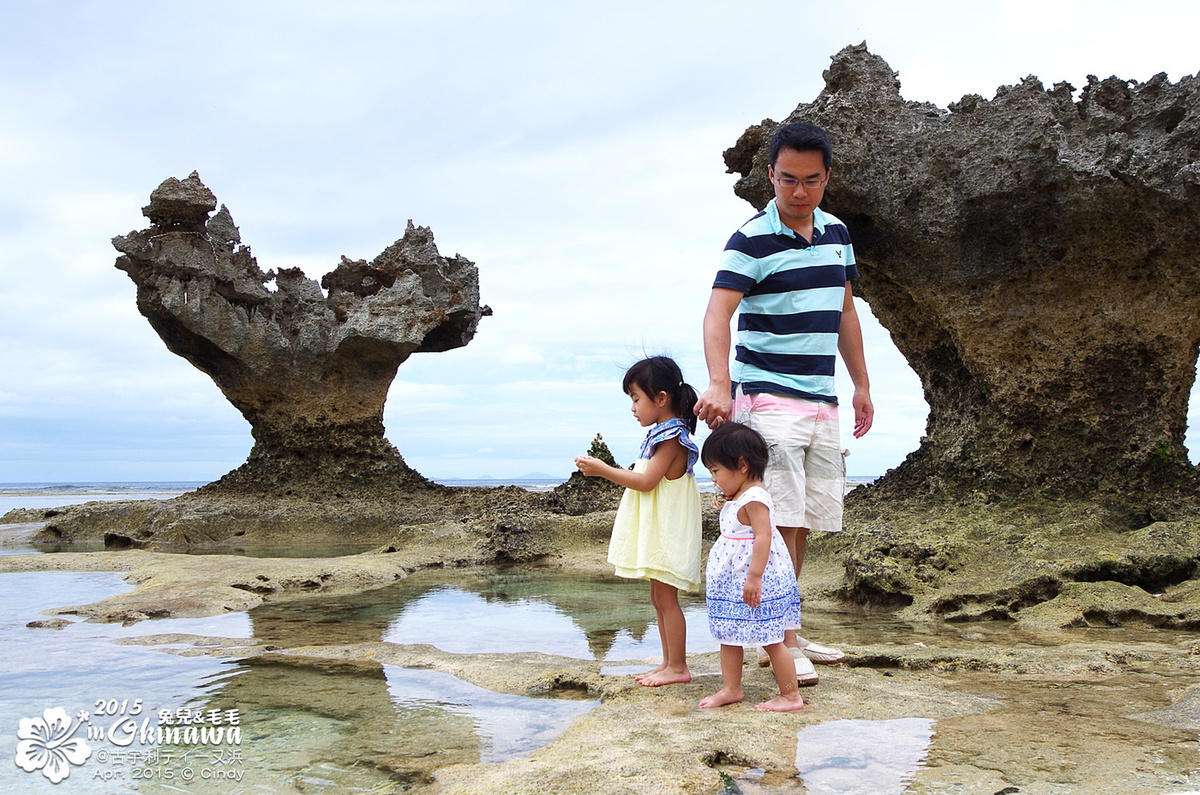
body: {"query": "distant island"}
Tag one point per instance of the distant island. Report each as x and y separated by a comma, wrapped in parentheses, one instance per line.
(530, 476)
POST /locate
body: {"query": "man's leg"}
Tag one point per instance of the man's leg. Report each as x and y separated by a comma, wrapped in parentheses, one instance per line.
(825, 486)
(796, 539)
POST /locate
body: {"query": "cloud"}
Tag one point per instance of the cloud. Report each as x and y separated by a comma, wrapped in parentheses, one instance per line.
(574, 157)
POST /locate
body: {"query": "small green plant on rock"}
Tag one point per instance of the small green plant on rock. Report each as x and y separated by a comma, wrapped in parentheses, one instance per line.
(600, 450)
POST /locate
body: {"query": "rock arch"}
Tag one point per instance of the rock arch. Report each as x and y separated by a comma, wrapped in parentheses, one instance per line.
(1036, 258)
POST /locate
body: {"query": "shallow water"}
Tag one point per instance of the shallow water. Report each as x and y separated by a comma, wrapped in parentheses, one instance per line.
(77, 666)
(298, 718)
(312, 725)
(491, 610)
(862, 757)
(320, 726)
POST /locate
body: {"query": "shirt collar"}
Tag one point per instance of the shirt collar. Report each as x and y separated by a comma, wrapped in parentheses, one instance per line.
(780, 228)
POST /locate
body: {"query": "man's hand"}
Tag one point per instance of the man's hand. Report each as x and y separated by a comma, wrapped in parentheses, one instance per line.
(864, 412)
(715, 406)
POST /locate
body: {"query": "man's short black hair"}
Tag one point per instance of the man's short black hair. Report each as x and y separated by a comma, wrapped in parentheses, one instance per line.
(803, 137)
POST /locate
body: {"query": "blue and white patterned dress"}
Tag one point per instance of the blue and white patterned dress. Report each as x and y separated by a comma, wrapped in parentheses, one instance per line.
(731, 621)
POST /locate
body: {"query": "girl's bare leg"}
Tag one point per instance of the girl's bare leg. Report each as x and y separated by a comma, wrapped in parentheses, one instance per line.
(672, 630)
(784, 668)
(731, 679)
(662, 638)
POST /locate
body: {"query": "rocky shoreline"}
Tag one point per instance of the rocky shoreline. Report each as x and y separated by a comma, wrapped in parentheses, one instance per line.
(1042, 563)
(1012, 598)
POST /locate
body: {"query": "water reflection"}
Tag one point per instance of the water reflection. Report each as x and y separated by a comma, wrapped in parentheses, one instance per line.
(315, 725)
(611, 622)
(489, 611)
(509, 726)
(77, 665)
(336, 726)
(307, 724)
(862, 757)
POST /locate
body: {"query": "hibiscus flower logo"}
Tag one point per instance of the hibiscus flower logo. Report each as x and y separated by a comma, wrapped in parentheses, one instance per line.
(48, 744)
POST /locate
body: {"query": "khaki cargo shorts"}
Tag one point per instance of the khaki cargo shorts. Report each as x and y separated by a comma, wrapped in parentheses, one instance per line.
(806, 473)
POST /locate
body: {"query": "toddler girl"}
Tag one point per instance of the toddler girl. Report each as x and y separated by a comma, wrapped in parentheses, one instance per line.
(751, 585)
(656, 535)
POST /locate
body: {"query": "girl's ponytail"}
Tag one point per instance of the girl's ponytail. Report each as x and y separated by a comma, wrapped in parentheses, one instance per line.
(661, 374)
(685, 404)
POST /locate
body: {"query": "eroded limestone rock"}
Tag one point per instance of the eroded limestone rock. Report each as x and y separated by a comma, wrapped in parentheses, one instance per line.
(1036, 259)
(309, 369)
(581, 494)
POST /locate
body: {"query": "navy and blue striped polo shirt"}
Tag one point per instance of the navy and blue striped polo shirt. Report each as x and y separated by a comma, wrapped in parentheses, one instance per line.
(792, 301)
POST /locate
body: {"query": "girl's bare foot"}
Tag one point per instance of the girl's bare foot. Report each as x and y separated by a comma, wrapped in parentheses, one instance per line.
(782, 703)
(652, 672)
(721, 698)
(666, 676)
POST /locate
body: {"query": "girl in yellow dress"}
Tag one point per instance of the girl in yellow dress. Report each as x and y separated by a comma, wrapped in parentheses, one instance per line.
(656, 535)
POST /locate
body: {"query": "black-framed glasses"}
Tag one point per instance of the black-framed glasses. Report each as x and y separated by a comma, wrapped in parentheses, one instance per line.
(808, 184)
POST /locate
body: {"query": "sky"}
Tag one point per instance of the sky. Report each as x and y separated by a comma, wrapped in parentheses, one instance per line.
(572, 151)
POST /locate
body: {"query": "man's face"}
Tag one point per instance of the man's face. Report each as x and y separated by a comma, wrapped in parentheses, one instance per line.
(791, 172)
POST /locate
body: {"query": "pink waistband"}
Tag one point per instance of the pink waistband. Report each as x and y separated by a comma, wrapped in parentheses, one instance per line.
(816, 409)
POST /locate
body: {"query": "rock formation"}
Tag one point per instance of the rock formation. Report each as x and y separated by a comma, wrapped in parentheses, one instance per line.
(309, 370)
(1036, 259)
(580, 494)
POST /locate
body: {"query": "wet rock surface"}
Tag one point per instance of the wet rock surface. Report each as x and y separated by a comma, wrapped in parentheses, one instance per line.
(1040, 563)
(1077, 711)
(488, 525)
(1034, 257)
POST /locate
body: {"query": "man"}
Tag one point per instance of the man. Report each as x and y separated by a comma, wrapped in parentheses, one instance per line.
(787, 271)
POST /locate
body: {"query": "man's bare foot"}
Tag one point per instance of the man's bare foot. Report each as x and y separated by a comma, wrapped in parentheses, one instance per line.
(665, 677)
(782, 703)
(721, 698)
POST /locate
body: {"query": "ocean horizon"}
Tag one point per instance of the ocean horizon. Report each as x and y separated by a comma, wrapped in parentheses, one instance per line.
(55, 494)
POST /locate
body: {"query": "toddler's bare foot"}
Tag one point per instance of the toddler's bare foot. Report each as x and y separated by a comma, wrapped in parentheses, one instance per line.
(721, 698)
(782, 703)
(667, 676)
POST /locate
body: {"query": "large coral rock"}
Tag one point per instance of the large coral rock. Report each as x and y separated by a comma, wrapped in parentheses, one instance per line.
(1036, 259)
(309, 370)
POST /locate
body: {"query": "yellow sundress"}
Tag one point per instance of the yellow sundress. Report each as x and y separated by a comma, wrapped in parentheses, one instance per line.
(656, 535)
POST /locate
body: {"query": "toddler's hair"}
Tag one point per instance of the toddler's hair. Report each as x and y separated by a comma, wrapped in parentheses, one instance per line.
(661, 374)
(732, 442)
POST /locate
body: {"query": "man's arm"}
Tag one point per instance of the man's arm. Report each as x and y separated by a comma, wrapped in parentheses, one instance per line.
(716, 404)
(850, 345)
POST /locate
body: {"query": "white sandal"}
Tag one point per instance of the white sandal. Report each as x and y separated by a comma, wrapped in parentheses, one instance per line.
(806, 675)
(822, 655)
